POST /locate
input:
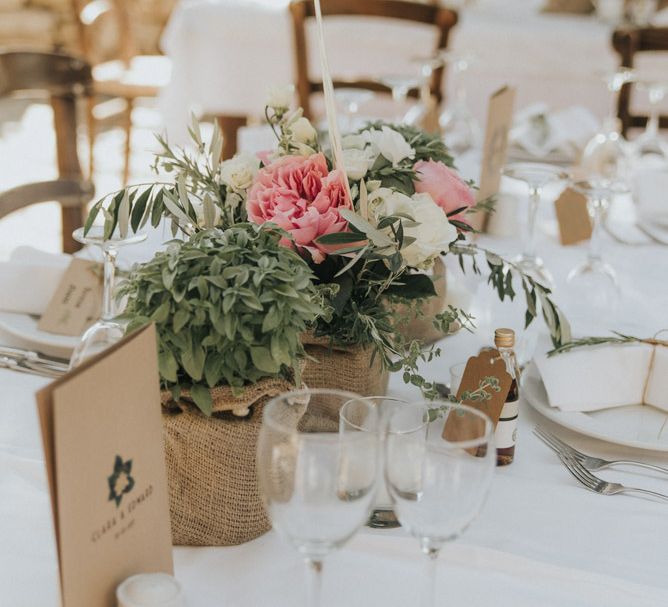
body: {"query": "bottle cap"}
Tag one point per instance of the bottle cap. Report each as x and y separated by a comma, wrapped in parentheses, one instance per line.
(504, 338)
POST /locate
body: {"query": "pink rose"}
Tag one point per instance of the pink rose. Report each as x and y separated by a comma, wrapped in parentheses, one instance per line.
(299, 194)
(445, 186)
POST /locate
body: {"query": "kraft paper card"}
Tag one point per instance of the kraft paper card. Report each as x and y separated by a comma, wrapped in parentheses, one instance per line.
(495, 147)
(77, 302)
(102, 434)
(573, 217)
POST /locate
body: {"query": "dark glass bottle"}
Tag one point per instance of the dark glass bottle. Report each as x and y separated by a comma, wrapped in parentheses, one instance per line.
(506, 430)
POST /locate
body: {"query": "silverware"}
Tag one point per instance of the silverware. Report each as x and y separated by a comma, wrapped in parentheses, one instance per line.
(9, 363)
(32, 359)
(598, 485)
(588, 461)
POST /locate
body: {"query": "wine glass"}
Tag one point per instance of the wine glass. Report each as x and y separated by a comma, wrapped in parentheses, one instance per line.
(439, 462)
(536, 175)
(400, 85)
(461, 131)
(351, 100)
(606, 154)
(318, 463)
(650, 146)
(106, 331)
(596, 279)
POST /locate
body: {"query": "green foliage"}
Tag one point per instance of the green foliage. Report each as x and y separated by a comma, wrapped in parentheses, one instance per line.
(229, 308)
(616, 338)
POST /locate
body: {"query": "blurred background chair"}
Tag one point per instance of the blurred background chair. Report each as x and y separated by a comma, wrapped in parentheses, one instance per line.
(442, 19)
(119, 71)
(64, 79)
(627, 43)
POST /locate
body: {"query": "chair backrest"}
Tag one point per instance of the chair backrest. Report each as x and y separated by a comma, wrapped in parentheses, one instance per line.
(628, 42)
(442, 19)
(98, 20)
(64, 78)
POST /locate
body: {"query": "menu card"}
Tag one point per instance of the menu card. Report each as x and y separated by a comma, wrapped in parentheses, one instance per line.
(573, 217)
(499, 121)
(102, 434)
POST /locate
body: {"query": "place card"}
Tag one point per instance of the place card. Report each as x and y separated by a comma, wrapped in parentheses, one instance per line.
(495, 147)
(77, 302)
(102, 434)
(487, 382)
(573, 217)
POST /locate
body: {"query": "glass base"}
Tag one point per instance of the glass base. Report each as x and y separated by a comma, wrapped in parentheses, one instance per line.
(96, 339)
(594, 284)
(383, 518)
(535, 268)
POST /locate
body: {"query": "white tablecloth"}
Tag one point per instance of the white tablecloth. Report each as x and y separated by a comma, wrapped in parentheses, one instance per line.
(540, 540)
(215, 45)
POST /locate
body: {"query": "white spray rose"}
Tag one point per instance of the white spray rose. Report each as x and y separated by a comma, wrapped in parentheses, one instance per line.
(431, 229)
(280, 97)
(353, 141)
(303, 131)
(390, 144)
(239, 172)
(357, 162)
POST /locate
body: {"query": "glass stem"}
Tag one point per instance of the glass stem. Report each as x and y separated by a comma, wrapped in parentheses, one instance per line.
(314, 584)
(429, 589)
(530, 243)
(108, 308)
(596, 207)
(652, 129)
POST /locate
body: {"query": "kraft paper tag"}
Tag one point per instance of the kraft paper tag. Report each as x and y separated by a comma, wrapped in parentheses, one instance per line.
(102, 433)
(573, 217)
(484, 386)
(495, 147)
(77, 302)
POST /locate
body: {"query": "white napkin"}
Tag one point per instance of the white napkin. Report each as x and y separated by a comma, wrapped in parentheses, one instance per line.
(541, 132)
(29, 279)
(650, 193)
(601, 377)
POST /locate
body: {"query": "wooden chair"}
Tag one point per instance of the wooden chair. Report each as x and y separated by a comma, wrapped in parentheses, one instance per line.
(127, 75)
(628, 42)
(418, 12)
(64, 78)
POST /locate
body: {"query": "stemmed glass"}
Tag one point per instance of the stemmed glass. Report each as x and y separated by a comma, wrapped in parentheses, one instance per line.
(650, 145)
(318, 462)
(400, 85)
(439, 462)
(351, 100)
(606, 153)
(596, 278)
(106, 331)
(536, 175)
(460, 129)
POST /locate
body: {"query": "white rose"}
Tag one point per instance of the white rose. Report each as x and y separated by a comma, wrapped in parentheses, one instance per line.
(390, 144)
(431, 229)
(239, 172)
(353, 141)
(280, 97)
(303, 131)
(357, 162)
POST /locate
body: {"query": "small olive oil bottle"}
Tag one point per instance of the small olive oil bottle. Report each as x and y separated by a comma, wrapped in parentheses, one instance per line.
(506, 430)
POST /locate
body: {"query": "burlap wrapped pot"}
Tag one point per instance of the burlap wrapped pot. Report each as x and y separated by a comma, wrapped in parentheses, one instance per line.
(213, 492)
(341, 367)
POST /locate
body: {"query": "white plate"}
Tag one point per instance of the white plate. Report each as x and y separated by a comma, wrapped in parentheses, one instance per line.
(639, 426)
(22, 331)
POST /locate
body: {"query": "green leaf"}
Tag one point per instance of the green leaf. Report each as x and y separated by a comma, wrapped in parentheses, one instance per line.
(168, 366)
(139, 208)
(415, 286)
(263, 360)
(202, 398)
(364, 226)
(339, 238)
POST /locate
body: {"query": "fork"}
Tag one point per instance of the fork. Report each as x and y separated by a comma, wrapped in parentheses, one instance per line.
(588, 461)
(598, 485)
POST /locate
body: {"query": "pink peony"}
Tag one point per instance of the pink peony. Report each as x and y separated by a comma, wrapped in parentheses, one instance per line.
(445, 186)
(299, 194)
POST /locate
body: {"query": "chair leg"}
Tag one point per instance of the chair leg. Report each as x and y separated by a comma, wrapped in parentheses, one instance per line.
(229, 126)
(127, 125)
(90, 105)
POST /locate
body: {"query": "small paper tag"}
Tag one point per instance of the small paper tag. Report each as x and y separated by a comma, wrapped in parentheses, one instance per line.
(499, 121)
(484, 386)
(573, 217)
(77, 302)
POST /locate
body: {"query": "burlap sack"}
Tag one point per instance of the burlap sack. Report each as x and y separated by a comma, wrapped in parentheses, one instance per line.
(343, 367)
(421, 326)
(213, 492)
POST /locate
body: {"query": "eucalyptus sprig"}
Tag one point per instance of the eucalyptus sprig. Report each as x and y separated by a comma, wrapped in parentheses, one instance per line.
(616, 338)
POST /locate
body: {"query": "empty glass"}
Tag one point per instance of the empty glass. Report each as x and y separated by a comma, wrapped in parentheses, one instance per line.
(536, 175)
(318, 462)
(439, 462)
(650, 146)
(106, 331)
(350, 101)
(400, 85)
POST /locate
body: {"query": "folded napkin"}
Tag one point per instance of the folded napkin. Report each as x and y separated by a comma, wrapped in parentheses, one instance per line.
(600, 377)
(29, 279)
(542, 132)
(649, 193)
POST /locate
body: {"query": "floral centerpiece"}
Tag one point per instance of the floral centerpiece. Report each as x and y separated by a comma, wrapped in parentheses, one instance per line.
(370, 218)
